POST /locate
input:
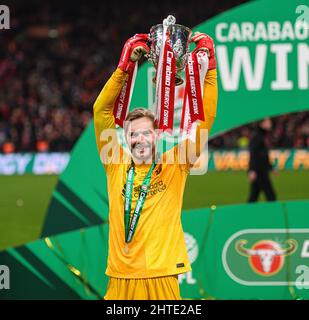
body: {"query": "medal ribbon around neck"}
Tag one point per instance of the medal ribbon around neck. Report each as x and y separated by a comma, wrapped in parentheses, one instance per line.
(130, 226)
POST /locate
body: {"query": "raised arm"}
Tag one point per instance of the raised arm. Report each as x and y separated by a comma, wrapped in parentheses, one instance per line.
(103, 107)
(210, 98)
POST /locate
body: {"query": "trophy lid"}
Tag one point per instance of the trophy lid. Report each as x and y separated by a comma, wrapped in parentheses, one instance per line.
(176, 25)
(170, 21)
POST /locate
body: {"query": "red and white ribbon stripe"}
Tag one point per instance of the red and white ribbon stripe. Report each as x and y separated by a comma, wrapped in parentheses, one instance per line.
(165, 86)
(196, 70)
(122, 103)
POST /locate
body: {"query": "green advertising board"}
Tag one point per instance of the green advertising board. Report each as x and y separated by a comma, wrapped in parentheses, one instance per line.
(218, 160)
(256, 251)
(34, 163)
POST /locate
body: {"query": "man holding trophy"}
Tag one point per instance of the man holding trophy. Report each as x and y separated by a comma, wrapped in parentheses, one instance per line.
(147, 247)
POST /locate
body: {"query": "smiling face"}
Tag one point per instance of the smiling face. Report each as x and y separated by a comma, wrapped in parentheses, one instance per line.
(141, 138)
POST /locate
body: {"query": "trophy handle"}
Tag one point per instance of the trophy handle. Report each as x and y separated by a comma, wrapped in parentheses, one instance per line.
(149, 42)
(178, 80)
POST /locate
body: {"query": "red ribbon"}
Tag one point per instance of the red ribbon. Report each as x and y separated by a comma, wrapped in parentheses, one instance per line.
(193, 89)
(167, 88)
(122, 102)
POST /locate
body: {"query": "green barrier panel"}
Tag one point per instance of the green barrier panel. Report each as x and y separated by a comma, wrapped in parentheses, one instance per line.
(249, 251)
(223, 271)
(67, 266)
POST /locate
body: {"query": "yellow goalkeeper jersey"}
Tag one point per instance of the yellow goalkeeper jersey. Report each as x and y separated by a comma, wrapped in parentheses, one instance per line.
(158, 247)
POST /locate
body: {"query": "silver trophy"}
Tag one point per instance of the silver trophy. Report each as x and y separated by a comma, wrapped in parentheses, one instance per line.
(179, 37)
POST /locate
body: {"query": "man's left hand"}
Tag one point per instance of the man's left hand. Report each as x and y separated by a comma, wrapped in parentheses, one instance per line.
(205, 43)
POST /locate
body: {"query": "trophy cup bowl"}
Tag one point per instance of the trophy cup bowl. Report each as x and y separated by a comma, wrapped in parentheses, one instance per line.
(179, 38)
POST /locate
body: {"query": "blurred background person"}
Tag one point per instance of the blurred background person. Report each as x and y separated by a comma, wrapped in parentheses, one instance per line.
(259, 163)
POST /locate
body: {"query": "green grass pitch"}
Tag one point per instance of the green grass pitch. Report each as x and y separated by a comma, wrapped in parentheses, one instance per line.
(24, 199)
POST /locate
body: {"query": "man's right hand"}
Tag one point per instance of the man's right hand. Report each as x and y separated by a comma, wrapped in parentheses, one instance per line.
(133, 50)
(251, 175)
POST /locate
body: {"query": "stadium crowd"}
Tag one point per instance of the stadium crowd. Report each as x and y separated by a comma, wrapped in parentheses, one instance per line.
(57, 55)
(288, 131)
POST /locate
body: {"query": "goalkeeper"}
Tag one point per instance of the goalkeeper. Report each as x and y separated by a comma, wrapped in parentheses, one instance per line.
(146, 253)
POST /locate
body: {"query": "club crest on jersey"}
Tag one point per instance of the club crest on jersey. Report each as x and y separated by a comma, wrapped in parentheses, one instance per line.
(158, 171)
